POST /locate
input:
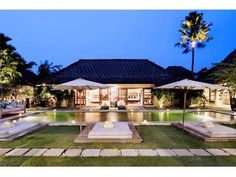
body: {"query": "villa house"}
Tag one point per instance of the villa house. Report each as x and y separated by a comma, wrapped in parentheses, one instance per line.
(132, 80)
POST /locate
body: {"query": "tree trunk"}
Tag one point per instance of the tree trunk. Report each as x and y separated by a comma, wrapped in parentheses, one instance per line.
(232, 100)
(192, 69)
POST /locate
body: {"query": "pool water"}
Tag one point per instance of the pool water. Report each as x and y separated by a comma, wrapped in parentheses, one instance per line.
(136, 117)
(215, 116)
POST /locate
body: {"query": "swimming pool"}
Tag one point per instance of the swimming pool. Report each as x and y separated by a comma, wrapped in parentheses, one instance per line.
(136, 117)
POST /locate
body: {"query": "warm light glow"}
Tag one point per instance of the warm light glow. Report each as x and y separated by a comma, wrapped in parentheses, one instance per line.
(198, 109)
(131, 110)
(73, 121)
(91, 109)
(145, 121)
(193, 44)
(20, 114)
(167, 110)
(54, 110)
(161, 105)
(234, 113)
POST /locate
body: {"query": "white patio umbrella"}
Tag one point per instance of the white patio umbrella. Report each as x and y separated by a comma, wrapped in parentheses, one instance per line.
(186, 85)
(80, 85)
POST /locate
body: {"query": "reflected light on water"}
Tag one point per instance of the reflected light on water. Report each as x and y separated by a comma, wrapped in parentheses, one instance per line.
(161, 116)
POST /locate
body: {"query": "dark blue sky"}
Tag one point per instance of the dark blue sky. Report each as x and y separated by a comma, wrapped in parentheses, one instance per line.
(63, 37)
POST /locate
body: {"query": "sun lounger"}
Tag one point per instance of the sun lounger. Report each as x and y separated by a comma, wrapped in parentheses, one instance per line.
(120, 130)
(209, 131)
(10, 130)
(10, 108)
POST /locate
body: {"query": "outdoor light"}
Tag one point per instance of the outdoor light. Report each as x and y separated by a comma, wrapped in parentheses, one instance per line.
(73, 121)
(145, 121)
(193, 44)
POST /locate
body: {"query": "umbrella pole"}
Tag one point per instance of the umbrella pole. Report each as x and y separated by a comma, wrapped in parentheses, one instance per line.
(184, 107)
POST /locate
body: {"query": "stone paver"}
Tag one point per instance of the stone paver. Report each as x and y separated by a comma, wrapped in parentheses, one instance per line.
(110, 153)
(4, 150)
(165, 152)
(17, 152)
(231, 151)
(182, 152)
(35, 152)
(91, 153)
(116, 152)
(217, 152)
(199, 152)
(129, 152)
(147, 152)
(72, 153)
(53, 152)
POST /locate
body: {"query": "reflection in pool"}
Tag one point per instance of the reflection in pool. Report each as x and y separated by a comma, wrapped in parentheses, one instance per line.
(136, 117)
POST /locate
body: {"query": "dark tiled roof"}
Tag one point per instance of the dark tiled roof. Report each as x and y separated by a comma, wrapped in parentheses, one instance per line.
(111, 71)
(178, 72)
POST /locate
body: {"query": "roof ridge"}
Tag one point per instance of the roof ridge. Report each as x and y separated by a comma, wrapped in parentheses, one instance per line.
(107, 59)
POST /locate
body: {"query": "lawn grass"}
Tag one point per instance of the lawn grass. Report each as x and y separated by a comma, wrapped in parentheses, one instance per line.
(154, 137)
(118, 161)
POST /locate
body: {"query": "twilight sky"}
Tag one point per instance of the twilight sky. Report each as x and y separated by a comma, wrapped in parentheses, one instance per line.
(65, 36)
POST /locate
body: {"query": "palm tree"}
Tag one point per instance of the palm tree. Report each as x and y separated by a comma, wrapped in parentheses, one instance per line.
(46, 69)
(194, 33)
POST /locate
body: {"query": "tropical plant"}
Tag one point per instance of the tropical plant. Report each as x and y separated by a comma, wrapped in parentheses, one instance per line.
(163, 98)
(194, 33)
(46, 69)
(8, 67)
(12, 66)
(226, 75)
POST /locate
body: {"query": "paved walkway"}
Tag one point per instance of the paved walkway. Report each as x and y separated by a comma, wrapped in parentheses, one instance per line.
(117, 152)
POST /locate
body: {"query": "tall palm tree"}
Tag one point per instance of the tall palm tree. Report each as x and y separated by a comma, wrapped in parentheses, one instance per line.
(194, 33)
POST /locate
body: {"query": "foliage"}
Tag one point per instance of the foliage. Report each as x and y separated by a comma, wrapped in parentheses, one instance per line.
(42, 94)
(67, 95)
(194, 33)
(163, 98)
(8, 67)
(12, 66)
(46, 69)
(226, 75)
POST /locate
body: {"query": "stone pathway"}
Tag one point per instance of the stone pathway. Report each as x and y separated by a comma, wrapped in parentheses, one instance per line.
(117, 152)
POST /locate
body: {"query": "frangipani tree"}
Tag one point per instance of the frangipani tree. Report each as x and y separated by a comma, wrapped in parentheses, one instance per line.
(194, 33)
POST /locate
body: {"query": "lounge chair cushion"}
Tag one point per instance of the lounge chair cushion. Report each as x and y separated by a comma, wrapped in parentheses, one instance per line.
(214, 130)
(19, 127)
(121, 130)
